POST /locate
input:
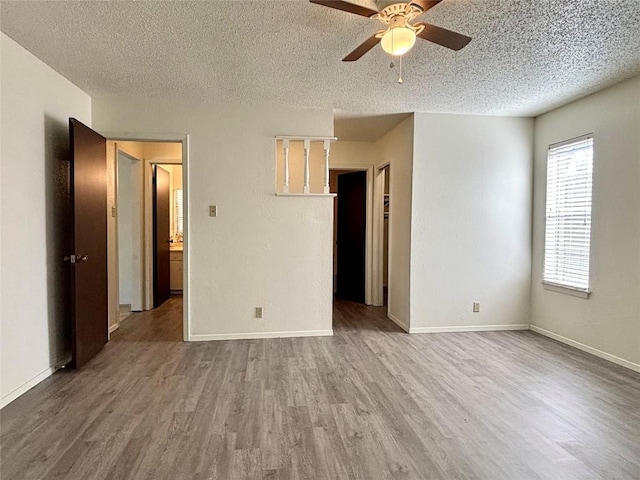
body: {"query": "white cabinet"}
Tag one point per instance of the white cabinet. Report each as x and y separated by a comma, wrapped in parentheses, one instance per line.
(175, 261)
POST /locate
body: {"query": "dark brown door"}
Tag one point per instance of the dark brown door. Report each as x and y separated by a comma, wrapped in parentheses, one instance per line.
(88, 256)
(161, 266)
(352, 206)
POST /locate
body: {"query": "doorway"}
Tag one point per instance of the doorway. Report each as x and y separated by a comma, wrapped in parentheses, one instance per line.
(350, 233)
(168, 231)
(140, 228)
(161, 193)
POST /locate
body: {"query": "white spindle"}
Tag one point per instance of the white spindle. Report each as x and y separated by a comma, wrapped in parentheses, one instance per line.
(327, 143)
(307, 149)
(285, 146)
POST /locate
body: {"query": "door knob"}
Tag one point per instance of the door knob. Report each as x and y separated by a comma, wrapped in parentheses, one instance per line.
(77, 258)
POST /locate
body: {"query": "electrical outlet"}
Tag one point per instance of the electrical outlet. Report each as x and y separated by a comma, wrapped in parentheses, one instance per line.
(213, 211)
(258, 312)
(476, 307)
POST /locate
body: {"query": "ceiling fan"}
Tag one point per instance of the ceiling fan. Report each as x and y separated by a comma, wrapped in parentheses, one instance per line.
(400, 33)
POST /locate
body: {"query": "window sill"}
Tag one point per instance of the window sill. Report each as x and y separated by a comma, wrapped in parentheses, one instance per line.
(554, 287)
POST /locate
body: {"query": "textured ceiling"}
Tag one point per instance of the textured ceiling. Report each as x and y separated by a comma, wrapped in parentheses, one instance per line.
(525, 58)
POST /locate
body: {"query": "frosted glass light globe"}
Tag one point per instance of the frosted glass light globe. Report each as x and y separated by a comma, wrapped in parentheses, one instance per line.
(398, 41)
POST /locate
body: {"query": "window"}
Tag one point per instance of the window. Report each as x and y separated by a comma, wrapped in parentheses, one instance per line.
(568, 216)
(178, 218)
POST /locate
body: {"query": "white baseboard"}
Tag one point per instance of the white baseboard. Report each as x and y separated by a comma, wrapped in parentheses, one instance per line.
(469, 328)
(114, 327)
(586, 348)
(254, 335)
(28, 385)
(398, 322)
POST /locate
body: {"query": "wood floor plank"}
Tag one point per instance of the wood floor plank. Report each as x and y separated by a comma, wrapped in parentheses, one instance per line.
(369, 403)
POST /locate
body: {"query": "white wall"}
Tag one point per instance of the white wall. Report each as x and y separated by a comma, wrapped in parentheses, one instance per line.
(261, 250)
(471, 222)
(356, 154)
(130, 231)
(176, 178)
(396, 147)
(125, 228)
(34, 320)
(608, 323)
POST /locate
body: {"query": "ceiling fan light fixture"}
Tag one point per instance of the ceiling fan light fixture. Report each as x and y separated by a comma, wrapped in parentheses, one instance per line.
(400, 36)
(398, 41)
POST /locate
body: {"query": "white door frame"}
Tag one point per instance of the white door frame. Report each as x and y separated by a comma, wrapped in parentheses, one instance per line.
(169, 138)
(371, 266)
(378, 228)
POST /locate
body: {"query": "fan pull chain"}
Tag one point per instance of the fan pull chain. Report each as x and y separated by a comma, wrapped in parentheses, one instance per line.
(391, 65)
(392, 48)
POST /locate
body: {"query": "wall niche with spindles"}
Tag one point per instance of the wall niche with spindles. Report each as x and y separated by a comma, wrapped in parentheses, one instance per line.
(302, 165)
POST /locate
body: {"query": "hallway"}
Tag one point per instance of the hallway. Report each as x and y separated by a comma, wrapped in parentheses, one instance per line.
(369, 403)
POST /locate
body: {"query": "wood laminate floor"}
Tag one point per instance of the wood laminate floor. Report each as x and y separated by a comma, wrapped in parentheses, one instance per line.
(369, 403)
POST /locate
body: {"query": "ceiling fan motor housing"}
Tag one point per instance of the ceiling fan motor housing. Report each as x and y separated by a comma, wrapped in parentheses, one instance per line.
(382, 4)
(397, 21)
(398, 14)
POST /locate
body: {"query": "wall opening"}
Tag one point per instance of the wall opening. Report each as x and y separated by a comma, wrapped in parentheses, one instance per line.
(133, 240)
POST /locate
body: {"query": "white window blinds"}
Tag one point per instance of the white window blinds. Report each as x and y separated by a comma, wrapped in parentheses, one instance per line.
(568, 213)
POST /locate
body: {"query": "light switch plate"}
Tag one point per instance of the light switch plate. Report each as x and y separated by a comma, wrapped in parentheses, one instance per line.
(213, 211)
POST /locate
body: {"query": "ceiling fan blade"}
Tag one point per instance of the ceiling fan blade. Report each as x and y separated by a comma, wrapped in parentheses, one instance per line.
(444, 37)
(426, 4)
(364, 47)
(346, 7)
